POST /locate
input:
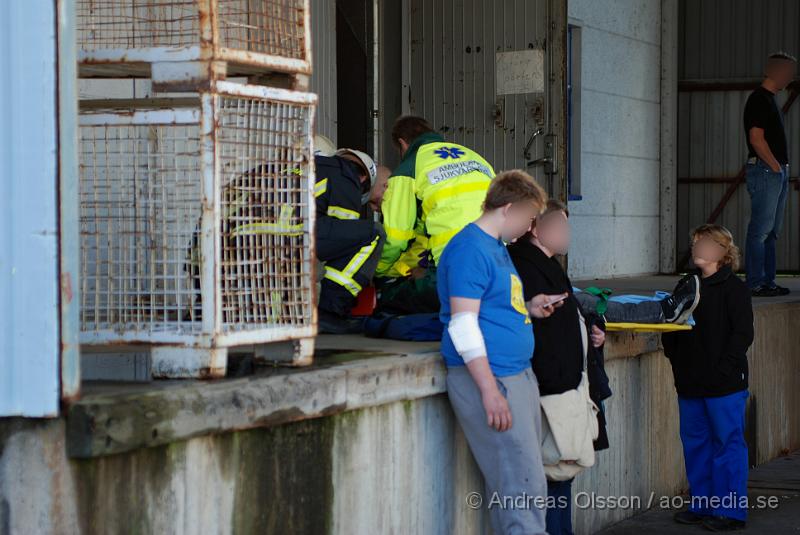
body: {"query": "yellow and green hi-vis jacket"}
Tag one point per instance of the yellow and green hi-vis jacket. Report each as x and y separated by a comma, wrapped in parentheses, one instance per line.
(438, 187)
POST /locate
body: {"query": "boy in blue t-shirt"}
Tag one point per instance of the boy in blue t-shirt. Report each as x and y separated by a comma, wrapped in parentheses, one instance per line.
(487, 348)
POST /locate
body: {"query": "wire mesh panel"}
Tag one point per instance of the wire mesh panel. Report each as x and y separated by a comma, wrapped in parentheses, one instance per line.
(144, 247)
(268, 33)
(265, 269)
(137, 23)
(140, 201)
(275, 27)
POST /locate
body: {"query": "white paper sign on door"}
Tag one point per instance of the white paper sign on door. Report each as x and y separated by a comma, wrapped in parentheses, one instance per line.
(520, 71)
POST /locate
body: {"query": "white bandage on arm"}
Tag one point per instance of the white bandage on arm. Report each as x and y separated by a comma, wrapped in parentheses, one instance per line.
(466, 335)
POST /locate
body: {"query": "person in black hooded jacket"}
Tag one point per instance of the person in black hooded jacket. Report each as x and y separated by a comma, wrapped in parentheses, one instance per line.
(709, 364)
(557, 359)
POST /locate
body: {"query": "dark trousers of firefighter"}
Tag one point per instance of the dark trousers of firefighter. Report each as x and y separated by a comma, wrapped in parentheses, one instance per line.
(351, 252)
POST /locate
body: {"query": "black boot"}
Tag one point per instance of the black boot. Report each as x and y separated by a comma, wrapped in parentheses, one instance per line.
(723, 523)
(765, 291)
(331, 323)
(780, 290)
(684, 299)
(688, 517)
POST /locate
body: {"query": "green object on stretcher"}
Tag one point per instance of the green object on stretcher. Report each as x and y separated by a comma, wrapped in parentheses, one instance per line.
(602, 295)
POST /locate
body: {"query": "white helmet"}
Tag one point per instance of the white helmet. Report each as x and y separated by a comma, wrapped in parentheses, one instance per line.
(369, 165)
(323, 146)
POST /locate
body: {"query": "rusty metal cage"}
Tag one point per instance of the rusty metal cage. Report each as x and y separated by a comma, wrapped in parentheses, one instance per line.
(114, 36)
(196, 219)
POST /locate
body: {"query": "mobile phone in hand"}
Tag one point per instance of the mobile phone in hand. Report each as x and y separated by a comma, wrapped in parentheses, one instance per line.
(557, 300)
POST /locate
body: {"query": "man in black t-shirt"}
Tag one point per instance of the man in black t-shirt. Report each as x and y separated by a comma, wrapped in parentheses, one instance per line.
(767, 174)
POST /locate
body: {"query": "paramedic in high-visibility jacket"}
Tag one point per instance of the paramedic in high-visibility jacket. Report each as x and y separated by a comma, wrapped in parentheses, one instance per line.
(349, 245)
(436, 190)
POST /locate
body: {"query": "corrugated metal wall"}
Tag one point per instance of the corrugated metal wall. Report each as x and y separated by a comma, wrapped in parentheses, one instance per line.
(452, 73)
(729, 40)
(29, 312)
(323, 79)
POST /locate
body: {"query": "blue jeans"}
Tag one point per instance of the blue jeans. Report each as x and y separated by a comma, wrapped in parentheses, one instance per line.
(644, 310)
(715, 454)
(559, 507)
(767, 191)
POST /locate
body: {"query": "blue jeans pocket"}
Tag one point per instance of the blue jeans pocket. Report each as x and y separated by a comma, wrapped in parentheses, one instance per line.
(767, 169)
(756, 178)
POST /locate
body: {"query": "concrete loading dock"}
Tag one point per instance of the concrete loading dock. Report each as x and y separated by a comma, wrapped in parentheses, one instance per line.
(368, 423)
(364, 439)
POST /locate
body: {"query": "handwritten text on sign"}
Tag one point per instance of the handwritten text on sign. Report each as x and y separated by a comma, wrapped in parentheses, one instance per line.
(520, 71)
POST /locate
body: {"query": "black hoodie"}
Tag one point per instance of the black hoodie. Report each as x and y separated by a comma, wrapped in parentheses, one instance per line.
(557, 358)
(711, 359)
(558, 352)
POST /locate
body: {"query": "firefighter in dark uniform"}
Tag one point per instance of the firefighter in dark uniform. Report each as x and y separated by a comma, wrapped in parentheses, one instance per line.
(349, 245)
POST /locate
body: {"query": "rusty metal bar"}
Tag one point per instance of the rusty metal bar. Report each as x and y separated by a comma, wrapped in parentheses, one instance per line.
(716, 180)
(68, 202)
(731, 84)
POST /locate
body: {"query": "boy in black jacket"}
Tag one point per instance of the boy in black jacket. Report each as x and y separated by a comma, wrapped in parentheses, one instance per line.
(562, 338)
(709, 364)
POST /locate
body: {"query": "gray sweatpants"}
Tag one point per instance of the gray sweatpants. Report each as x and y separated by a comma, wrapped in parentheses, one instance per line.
(511, 461)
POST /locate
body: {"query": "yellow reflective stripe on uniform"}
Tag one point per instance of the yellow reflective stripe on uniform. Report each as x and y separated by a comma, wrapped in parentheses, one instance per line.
(320, 187)
(339, 212)
(338, 277)
(441, 239)
(345, 276)
(360, 257)
(282, 228)
(398, 234)
(447, 192)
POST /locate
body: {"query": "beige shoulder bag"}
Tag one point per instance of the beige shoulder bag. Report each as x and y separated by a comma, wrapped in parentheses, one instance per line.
(569, 426)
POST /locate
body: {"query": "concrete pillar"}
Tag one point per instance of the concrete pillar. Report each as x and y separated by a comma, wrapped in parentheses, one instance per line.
(668, 181)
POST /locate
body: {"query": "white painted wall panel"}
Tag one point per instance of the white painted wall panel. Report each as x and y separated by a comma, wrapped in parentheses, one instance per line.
(615, 226)
(29, 381)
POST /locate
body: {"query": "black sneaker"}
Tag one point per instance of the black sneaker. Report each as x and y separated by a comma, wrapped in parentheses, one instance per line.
(722, 523)
(330, 323)
(688, 517)
(781, 290)
(684, 299)
(765, 291)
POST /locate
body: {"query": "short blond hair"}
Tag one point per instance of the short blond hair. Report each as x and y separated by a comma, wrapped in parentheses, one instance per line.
(724, 238)
(512, 187)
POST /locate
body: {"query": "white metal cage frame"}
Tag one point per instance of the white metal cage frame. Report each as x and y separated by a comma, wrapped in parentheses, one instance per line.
(197, 219)
(261, 34)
